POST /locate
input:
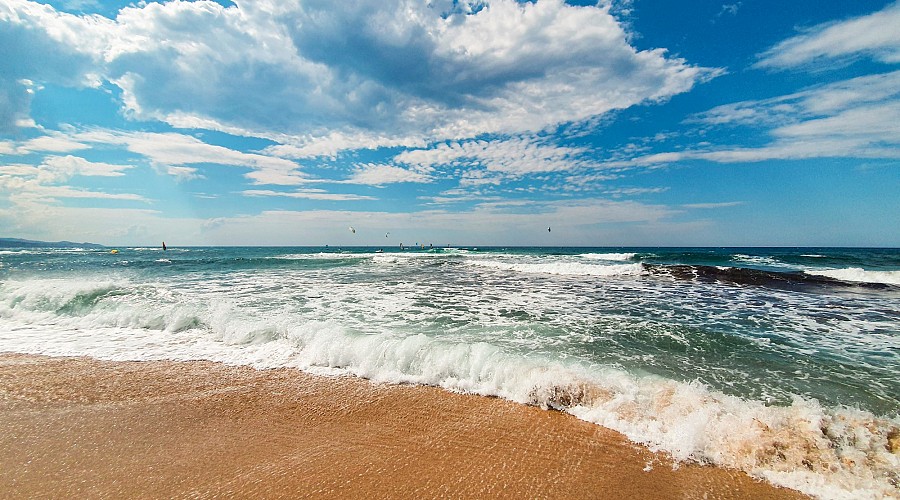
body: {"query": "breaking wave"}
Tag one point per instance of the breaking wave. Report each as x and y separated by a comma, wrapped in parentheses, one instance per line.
(856, 274)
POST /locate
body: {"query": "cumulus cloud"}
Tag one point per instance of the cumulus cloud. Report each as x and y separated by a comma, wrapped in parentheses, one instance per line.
(371, 73)
(41, 45)
(874, 35)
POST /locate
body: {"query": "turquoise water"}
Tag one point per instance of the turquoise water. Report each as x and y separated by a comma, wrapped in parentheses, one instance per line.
(675, 347)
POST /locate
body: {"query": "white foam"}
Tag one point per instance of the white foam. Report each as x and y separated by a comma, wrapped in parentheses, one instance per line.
(761, 261)
(859, 275)
(563, 268)
(609, 256)
(319, 256)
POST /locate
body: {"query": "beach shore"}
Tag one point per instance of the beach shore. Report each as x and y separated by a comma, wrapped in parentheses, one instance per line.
(76, 427)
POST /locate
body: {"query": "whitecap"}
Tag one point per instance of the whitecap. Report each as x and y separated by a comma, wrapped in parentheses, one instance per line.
(859, 275)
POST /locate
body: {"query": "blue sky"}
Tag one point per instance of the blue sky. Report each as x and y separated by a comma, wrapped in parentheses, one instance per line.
(285, 122)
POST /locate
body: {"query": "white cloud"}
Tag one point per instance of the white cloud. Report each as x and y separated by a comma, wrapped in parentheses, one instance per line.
(173, 153)
(875, 35)
(634, 191)
(53, 142)
(321, 76)
(513, 156)
(29, 184)
(378, 175)
(853, 118)
(711, 206)
(184, 173)
(309, 194)
(35, 190)
(40, 45)
(65, 167)
(62, 168)
(587, 222)
(819, 101)
(729, 9)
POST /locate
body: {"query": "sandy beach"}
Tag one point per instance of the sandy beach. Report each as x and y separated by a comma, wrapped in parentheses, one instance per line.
(76, 427)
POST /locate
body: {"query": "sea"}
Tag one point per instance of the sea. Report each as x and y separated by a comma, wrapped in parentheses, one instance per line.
(782, 362)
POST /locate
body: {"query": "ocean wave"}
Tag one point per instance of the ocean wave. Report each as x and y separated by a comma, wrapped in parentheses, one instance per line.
(89, 304)
(790, 280)
(563, 268)
(828, 452)
(860, 275)
(608, 256)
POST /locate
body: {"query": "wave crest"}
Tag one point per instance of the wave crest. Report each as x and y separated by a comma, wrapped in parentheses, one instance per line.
(859, 275)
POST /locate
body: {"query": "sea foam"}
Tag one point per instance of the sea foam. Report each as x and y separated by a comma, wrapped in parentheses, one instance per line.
(859, 275)
(563, 268)
(609, 256)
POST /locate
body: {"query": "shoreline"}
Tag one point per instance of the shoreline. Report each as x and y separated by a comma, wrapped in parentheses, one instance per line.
(84, 427)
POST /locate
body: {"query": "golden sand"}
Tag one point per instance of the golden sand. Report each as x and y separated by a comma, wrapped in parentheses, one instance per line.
(74, 427)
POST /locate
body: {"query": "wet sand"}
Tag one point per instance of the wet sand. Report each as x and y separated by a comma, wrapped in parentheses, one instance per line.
(74, 427)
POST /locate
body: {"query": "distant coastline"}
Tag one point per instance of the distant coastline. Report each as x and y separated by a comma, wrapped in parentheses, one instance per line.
(22, 243)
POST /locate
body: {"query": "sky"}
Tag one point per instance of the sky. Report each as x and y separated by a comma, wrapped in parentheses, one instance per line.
(451, 122)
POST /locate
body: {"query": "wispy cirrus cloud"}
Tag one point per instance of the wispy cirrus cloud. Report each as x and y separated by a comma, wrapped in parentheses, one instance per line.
(712, 206)
(308, 194)
(173, 153)
(853, 118)
(874, 35)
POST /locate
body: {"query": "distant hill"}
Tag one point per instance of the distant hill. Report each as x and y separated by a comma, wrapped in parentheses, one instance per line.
(20, 243)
